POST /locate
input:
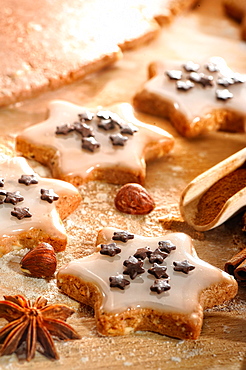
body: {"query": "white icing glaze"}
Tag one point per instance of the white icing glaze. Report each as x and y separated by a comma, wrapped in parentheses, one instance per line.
(44, 214)
(199, 101)
(183, 297)
(75, 161)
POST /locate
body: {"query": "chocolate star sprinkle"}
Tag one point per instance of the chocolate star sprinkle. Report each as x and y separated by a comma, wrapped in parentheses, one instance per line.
(13, 197)
(202, 79)
(86, 116)
(174, 74)
(128, 129)
(157, 256)
(191, 66)
(183, 266)
(1, 182)
(21, 213)
(116, 119)
(2, 196)
(160, 285)
(238, 78)
(223, 94)
(27, 180)
(123, 236)
(90, 143)
(104, 114)
(131, 261)
(118, 282)
(142, 253)
(106, 124)
(64, 129)
(110, 249)
(212, 67)
(49, 195)
(166, 246)
(134, 267)
(118, 139)
(83, 129)
(184, 85)
(225, 81)
(158, 271)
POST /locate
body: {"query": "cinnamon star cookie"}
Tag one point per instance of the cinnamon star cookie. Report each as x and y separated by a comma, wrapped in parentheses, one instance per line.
(130, 293)
(27, 216)
(79, 144)
(195, 97)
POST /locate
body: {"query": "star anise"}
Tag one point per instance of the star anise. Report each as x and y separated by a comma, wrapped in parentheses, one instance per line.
(33, 324)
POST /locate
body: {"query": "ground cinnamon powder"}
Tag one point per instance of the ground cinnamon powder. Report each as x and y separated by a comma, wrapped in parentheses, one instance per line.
(215, 197)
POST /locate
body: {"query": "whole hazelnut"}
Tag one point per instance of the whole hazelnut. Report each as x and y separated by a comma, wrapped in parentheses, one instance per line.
(134, 199)
(40, 262)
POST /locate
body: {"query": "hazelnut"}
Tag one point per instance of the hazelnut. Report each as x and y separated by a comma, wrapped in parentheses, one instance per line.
(40, 262)
(134, 199)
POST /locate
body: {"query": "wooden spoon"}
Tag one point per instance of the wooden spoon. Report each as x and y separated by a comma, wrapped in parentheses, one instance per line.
(194, 191)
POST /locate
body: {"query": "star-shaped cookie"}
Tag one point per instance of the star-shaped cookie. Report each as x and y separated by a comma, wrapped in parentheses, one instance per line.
(196, 97)
(172, 306)
(76, 154)
(26, 218)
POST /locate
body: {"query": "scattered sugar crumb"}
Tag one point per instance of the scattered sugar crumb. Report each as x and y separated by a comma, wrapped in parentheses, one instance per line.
(102, 197)
(226, 329)
(84, 359)
(177, 168)
(175, 359)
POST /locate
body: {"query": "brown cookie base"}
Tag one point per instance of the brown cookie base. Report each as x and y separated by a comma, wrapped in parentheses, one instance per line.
(29, 239)
(172, 324)
(151, 103)
(118, 176)
(49, 158)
